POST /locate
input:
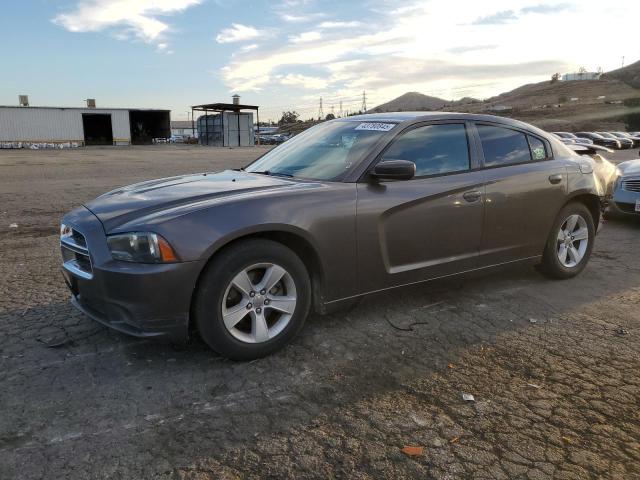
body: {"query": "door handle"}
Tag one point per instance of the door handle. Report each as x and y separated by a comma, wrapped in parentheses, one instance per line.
(472, 196)
(556, 178)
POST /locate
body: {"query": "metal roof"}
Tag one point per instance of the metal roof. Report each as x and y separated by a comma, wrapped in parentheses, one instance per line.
(221, 107)
(87, 108)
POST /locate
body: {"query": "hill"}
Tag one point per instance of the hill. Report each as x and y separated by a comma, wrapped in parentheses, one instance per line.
(410, 101)
(629, 75)
(604, 104)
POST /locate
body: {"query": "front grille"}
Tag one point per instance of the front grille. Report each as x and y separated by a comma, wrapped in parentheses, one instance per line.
(75, 254)
(631, 185)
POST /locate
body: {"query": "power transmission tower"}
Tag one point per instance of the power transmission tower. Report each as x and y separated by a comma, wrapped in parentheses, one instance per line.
(320, 112)
(364, 102)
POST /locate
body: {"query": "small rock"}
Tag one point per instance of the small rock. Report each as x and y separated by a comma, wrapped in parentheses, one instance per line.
(467, 397)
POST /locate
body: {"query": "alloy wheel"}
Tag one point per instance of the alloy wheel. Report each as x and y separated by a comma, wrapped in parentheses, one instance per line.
(572, 241)
(259, 302)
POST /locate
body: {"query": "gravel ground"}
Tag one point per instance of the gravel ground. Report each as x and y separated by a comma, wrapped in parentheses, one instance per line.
(554, 366)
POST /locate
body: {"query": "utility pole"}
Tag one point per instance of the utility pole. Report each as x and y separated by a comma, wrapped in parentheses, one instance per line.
(364, 102)
(340, 112)
(320, 112)
(622, 61)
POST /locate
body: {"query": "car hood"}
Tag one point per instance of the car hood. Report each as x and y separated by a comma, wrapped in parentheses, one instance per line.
(630, 167)
(125, 204)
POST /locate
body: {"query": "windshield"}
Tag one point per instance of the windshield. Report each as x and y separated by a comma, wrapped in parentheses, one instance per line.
(324, 152)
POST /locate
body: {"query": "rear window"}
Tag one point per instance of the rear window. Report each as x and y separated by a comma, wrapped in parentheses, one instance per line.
(503, 146)
(538, 149)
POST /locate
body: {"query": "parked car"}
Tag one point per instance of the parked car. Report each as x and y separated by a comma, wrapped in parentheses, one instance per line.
(571, 136)
(600, 140)
(633, 138)
(624, 142)
(350, 207)
(626, 192)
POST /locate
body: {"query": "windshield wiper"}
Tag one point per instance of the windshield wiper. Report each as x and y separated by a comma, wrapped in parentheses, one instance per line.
(274, 174)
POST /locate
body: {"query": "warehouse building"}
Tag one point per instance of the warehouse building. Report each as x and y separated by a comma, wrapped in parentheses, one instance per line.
(82, 126)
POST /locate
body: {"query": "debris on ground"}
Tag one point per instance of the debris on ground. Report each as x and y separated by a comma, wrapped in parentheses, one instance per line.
(13, 225)
(621, 331)
(467, 397)
(412, 451)
(451, 365)
(533, 320)
(533, 385)
(454, 440)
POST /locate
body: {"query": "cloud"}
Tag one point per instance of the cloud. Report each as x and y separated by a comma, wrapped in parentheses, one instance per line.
(496, 18)
(544, 9)
(510, 15)
(305, 37)
(238, 33)
(471, 48)
(129, 18)
(304, 81)
(351, 24)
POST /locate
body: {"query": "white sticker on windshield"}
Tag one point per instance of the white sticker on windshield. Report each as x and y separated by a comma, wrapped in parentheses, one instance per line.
(375, 126)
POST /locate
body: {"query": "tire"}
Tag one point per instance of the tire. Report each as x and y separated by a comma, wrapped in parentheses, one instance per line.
(244, 337)
(552, 265)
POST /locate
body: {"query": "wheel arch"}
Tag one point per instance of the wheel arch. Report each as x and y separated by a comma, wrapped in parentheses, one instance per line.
(591, 201)
(290, 238)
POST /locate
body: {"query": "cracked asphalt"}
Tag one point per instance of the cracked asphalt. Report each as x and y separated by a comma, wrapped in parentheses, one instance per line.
(554, 366)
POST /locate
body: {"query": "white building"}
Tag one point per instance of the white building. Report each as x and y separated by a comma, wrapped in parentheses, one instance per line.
(567, 77)
(84, 126)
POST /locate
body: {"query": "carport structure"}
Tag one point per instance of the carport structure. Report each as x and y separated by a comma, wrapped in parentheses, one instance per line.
(220, 109)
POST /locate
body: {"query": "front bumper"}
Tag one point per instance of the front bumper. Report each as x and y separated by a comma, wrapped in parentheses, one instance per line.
(144, 300)
(624, 201)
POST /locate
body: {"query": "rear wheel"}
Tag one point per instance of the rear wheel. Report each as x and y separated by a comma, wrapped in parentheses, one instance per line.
(252, 300)
(570, 242)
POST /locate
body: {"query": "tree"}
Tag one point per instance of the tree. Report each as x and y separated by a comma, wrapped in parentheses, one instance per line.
(288, 117)
(330, 116)
(555, 77)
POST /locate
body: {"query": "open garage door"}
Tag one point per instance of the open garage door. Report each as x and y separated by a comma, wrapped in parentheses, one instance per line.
(149, 124)
(97, 129)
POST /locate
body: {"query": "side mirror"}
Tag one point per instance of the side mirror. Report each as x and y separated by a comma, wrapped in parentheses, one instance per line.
(394, 170)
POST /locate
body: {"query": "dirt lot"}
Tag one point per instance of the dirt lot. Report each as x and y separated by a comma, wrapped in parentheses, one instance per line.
(554, 366)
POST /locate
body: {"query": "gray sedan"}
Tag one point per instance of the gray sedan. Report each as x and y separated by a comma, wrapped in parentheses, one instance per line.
(350, 207)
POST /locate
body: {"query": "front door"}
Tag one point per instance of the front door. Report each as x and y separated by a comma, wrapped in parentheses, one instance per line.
(427, 227)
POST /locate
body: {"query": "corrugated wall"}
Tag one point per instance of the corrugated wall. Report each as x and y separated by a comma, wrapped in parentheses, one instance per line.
(25, 124)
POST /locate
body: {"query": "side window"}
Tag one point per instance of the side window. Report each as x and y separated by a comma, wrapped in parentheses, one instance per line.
(538, 149)
(503, 146)
(435, 149)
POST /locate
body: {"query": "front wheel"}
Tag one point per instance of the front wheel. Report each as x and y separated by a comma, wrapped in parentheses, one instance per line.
(252, 299)
(570, 242)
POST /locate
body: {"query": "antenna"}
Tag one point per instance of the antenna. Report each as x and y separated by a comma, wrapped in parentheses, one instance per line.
(364, 102)
(320, 112)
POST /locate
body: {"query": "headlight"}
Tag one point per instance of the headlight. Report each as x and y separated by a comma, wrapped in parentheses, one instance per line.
(142, 247)
(65, 231)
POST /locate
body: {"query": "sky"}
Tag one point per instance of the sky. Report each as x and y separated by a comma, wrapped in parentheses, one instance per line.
(286, 54)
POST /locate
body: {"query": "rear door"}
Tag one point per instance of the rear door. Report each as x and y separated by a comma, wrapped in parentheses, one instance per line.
(430, 226)
(525, 189)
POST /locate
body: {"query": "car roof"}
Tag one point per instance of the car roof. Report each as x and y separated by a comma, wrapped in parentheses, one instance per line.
(430, 116)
